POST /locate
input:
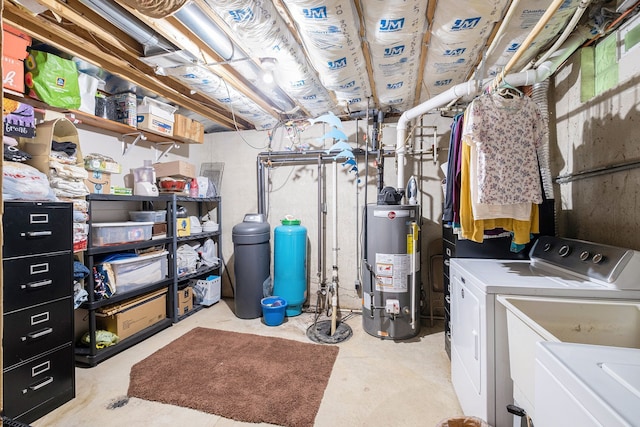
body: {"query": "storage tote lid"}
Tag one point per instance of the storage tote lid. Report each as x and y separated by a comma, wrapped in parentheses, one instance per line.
(121, 224)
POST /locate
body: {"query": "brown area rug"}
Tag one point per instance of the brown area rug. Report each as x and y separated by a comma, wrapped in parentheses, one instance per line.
(244, 377)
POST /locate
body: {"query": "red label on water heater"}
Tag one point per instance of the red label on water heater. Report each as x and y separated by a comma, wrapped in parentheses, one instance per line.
(391, 215)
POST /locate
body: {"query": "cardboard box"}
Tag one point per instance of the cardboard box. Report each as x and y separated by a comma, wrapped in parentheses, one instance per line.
(177, 168)
(185, 300)
(14, 42)
(155, 119)
(187, 128)
(183, 227)
(132, 316)
(98, 182)
(12, 74)
(14, 51)
(59, 130)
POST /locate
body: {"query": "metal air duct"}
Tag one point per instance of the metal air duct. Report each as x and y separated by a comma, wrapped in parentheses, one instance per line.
(152, 42)
(155, 8)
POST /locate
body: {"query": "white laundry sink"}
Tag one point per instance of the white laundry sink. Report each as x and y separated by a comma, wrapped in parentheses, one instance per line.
(587, 321)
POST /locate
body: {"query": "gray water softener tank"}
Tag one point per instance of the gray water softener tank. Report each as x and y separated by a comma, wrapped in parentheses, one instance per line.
(252, 264)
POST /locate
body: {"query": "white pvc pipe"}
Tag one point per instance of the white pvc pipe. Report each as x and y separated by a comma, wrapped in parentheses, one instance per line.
(582, 7)
(469, 88)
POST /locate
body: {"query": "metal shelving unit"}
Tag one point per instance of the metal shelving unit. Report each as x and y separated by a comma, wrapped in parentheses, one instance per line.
(91, 356)
(199, 206)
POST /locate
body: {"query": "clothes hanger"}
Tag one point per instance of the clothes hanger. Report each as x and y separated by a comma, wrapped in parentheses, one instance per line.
(505, 90)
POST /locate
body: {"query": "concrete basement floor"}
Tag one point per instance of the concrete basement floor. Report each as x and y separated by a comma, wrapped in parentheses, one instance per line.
(374, 382)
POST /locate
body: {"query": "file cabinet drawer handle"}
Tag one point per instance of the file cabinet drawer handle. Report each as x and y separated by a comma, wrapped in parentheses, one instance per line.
(39, 233)
(41, 384)
(38, 284)
(39, 334)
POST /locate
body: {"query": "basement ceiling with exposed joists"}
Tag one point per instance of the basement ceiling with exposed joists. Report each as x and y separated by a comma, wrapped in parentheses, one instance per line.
(348, 57)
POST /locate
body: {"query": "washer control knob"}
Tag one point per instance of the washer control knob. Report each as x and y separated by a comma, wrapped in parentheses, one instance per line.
(584, 255)
(547, 247)
(564, 251)
(597, 258)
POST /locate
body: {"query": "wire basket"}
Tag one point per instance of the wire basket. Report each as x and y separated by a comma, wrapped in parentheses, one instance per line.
(213, 171)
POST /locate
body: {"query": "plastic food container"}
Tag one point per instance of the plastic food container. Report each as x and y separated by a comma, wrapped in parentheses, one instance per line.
(115, 233)
(161, 216)
(143, 216)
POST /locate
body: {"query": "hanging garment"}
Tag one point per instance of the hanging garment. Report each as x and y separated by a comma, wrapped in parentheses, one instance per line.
(506, 132)
(519, 211)
(450, 199)
(473, 229)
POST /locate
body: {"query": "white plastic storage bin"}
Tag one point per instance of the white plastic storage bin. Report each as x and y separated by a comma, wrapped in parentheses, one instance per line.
(208, 291)
(115, 233)
(131, 273)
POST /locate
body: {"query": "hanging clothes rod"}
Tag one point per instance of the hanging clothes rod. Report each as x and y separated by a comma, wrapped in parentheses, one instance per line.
(604, 170)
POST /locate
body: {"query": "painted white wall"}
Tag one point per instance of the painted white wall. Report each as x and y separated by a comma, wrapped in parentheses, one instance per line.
(294, 189)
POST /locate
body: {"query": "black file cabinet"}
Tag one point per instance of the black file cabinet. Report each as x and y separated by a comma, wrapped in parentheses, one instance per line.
(38, 362)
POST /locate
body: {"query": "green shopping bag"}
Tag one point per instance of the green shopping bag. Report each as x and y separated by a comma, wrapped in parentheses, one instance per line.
(52, 79)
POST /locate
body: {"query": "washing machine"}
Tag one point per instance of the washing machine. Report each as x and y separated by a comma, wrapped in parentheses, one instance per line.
(558, 267)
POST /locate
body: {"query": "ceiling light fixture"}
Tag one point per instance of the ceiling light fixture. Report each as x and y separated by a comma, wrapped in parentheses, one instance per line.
(267, 66)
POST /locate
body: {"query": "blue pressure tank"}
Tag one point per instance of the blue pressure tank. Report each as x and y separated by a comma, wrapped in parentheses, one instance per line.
(290, 264)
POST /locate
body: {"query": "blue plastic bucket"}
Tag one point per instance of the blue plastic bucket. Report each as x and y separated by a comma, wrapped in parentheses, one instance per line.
(273, 309)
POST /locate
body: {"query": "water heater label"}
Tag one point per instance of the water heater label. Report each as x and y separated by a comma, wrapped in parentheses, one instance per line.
(392, 271)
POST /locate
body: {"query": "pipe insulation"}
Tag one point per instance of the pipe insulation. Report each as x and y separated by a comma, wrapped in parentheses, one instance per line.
(470, 88)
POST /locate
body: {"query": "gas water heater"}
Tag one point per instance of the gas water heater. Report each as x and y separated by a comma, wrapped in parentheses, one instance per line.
(391, 271)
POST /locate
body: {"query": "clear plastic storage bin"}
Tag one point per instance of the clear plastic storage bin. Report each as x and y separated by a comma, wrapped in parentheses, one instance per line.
(143, 216)
(132, 273)
(115, 233)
